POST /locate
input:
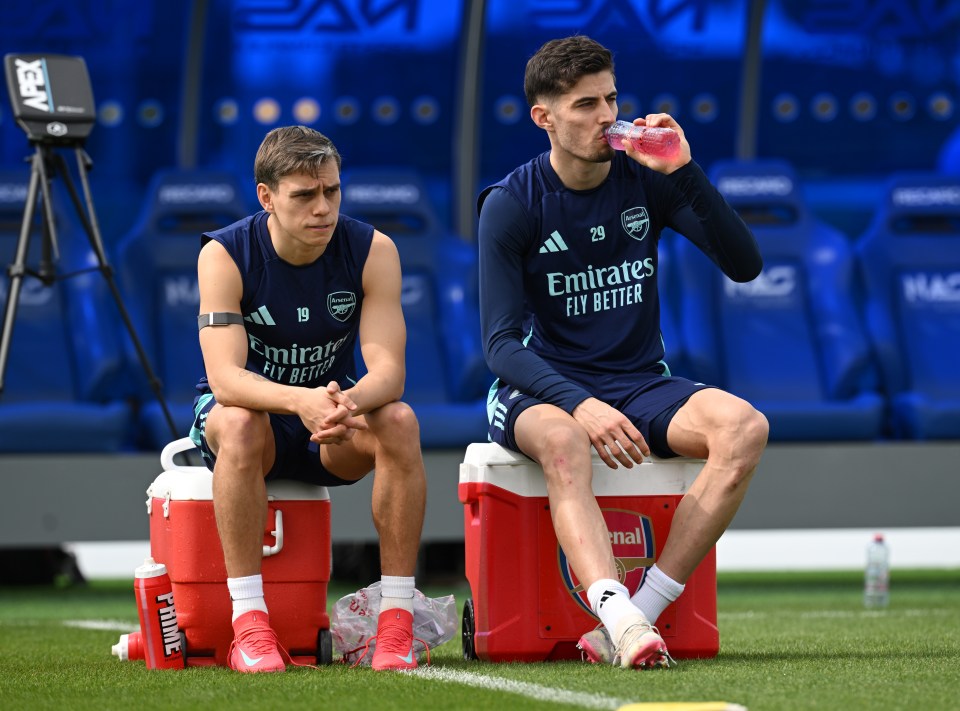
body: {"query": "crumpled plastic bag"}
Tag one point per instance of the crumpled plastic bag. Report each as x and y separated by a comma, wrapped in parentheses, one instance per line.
(354, 621)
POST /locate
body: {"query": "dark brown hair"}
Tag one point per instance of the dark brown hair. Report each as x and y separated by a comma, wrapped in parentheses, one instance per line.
(292, 149)
(561, 63)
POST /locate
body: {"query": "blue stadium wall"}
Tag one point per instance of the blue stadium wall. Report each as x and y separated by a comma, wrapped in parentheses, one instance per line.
(846, 91)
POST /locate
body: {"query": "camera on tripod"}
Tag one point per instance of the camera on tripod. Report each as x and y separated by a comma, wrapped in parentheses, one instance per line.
(52, 102)
(51, 96)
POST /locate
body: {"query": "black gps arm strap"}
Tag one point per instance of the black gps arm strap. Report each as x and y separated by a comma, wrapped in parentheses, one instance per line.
(218, 318)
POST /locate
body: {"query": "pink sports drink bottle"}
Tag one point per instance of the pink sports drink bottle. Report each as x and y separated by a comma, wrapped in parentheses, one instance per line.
(652, 140)
(159, 631)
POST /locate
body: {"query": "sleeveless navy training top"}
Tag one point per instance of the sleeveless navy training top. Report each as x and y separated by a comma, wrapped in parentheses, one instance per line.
(301, 320)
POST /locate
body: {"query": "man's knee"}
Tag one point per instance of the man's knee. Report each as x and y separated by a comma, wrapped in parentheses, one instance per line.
(744, 437)
(237, 428)
(758, 430)
(395, 423)
(564, 439)
(565, 455)
(398, 417)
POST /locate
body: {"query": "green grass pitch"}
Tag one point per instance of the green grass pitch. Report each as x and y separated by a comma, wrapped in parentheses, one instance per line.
(788, 641)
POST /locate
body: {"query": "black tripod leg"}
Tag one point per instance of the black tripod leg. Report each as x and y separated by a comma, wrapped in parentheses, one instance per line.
(50, 249)
(89, 220)
(18, 268)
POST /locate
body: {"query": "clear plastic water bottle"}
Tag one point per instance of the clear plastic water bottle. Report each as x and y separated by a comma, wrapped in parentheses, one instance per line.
(652, 140)
(876, 584)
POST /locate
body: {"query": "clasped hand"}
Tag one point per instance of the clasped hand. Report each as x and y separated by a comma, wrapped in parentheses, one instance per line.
(336, 422)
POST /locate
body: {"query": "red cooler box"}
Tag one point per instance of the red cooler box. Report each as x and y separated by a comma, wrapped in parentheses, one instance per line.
(296, 562)
(527, 604)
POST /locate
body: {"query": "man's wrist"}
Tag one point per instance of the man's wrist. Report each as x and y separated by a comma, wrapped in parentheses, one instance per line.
(578, 404)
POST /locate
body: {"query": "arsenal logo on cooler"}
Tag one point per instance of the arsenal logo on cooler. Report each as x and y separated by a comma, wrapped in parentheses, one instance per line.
(631, 535)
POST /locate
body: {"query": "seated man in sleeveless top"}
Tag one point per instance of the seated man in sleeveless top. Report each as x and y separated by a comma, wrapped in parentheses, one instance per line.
(285, 296)
(571, 328)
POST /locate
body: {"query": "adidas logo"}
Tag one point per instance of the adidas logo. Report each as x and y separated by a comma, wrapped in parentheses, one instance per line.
(499, 416)
(261, 316)
(554, 243)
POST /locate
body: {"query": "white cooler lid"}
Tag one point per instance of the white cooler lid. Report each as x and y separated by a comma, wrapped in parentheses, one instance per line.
(489, 463)
(184, 483)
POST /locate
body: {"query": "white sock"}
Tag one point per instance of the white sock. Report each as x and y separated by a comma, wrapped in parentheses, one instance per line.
(246, 594)
(611, 603)
(396, 591)
(657, 591)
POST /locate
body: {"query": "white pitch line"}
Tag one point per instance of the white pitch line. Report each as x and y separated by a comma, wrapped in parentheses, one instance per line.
(522, 688)
(838, 614)
(116, 625)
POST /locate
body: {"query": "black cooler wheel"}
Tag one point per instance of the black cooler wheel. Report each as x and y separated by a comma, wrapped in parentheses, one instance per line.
(468, 629)
(324, 647)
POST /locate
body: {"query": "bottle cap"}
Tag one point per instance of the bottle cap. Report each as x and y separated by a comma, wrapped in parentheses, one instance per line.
(150, 569)
(120, 649)
(129, 647)
(878, 537)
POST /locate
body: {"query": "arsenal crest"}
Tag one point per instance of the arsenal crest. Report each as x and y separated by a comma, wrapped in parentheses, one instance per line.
(631, 537)
(341, 304)
(636, 222)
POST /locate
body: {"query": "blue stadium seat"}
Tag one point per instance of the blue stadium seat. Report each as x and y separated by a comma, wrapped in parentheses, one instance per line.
(791, 341)
(447, 378)
(381, 79)
(65, 356)
(668, 284)
(910, 257)
(948, 161)
(157, 264)
(698, 86)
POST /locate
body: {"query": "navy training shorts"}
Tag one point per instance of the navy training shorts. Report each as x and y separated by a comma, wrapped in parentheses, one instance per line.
(649, 400)
(296, 458)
